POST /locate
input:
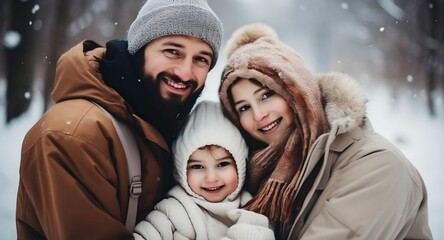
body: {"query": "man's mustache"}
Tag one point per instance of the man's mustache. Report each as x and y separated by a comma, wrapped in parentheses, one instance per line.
(190, 83)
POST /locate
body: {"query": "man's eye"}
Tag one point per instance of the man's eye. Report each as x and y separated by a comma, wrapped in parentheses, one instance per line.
(202, 61)
(171, 52)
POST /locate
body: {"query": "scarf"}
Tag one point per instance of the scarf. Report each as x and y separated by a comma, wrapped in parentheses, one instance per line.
(275, 171)
(275, 176)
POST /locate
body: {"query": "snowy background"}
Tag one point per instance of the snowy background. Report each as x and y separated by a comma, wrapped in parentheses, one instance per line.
(406, 123)
(346, 36)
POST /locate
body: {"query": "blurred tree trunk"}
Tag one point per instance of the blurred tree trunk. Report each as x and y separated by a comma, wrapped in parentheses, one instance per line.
(56, 40)
(432, 59)
(20, 60)
(124, 14)
(430, 19)
(4, 17)
(118, 10)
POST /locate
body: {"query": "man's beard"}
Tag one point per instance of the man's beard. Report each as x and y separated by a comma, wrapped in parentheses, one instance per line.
(166, 115)
(124, 73)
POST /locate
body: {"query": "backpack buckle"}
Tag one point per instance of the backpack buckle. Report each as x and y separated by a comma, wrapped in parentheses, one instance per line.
(135, 187)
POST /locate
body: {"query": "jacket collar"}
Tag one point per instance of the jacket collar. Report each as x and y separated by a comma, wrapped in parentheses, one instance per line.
(345, 109)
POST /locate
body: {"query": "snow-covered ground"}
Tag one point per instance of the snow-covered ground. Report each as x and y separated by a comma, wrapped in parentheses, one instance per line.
(405, 122)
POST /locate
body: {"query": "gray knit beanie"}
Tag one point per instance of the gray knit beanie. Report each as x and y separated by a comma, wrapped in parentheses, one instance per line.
(208, 126)
(158, 18)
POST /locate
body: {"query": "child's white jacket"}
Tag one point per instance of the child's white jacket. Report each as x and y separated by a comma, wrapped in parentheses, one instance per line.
(181, 216)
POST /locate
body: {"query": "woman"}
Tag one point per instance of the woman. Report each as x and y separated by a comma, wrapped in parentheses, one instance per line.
(316, 166)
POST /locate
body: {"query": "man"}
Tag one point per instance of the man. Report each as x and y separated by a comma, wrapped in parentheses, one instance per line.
(73, 172)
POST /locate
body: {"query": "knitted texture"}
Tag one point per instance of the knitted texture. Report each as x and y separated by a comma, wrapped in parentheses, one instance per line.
(255, 52)
(158, 18)
(208, 126)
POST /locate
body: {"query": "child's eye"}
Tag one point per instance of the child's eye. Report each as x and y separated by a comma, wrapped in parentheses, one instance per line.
(195, 166)
(224, 164)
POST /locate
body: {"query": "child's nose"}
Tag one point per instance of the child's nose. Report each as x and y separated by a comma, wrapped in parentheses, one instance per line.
(211, 176)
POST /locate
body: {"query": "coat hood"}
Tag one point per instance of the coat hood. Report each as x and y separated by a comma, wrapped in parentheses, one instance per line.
(206, 126)
(78, 76)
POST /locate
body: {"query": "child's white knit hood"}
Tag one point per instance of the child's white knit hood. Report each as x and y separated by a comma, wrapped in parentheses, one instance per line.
(208, 126)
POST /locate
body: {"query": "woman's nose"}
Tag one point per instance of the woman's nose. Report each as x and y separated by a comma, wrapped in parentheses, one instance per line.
(259, 114)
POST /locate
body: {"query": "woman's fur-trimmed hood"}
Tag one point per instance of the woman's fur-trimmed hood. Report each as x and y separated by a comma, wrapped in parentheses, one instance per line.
(319, 101)
(342, 97)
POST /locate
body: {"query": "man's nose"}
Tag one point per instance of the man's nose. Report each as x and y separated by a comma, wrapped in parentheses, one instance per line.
(184, 70)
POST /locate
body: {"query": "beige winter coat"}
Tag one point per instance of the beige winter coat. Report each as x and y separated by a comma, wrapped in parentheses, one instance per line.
(353, 184)
(366, 188)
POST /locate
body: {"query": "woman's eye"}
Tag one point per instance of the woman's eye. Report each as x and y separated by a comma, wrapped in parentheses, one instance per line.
(267, 94)
(243, 108)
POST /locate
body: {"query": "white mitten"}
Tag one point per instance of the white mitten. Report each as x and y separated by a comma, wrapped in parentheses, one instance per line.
(249, 225)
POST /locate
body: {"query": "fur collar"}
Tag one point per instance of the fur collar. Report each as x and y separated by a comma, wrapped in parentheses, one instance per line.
(343, 100)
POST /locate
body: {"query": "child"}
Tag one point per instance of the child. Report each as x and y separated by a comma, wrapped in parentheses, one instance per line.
(209, 167)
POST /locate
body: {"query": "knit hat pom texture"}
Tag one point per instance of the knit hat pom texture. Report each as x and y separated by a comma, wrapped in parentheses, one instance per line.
(248, 34)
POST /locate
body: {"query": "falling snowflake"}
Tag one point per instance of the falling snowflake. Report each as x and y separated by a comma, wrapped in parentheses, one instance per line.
(27, 95)
(35, 9)
(12, 39)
